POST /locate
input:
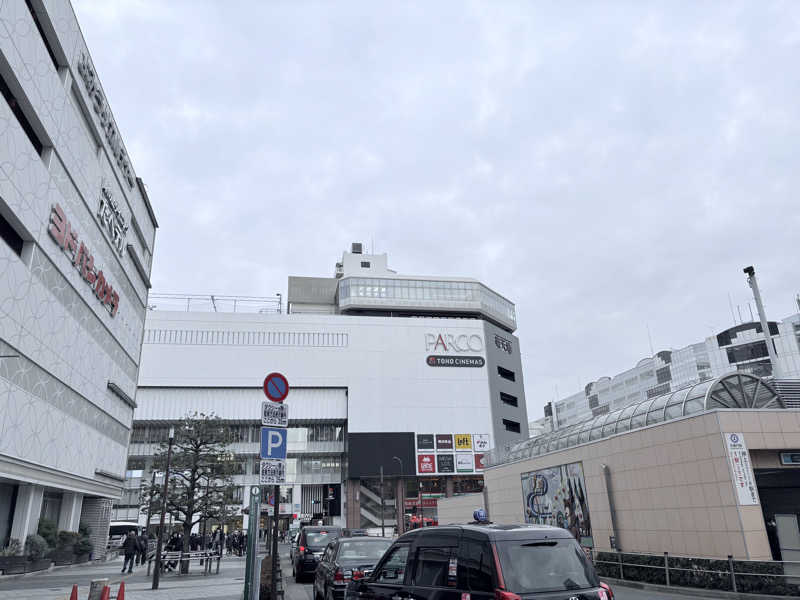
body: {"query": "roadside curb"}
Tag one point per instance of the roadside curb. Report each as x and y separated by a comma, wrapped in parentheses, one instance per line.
(691, 592)
(52, 567)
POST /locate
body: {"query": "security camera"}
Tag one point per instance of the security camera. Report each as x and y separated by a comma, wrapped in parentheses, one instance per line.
(750, 271)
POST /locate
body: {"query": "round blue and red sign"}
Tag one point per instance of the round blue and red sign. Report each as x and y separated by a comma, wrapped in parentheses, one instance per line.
(276, 387)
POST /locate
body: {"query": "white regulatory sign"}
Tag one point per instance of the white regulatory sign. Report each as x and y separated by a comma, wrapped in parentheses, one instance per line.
(741, 469)
(272, 471)
(274, 414)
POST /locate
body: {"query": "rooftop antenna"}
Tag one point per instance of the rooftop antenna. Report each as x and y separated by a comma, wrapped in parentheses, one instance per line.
(798, 301)
(650, 339)
(730, 303)
(739, 310)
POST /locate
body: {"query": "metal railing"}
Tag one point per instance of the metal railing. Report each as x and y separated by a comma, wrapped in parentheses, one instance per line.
(215, 303)
(780, 578)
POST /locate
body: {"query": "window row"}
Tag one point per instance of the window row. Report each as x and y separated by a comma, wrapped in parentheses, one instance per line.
(246, 338)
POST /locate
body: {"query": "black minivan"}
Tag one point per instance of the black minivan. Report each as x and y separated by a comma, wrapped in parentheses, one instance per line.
(483, 562)
(311, 543)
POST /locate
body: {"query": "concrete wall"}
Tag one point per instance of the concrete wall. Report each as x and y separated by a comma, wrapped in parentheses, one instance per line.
(671, 481)
(459, 509)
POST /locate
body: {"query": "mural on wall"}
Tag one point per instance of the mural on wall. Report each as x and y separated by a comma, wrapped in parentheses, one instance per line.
(557, 496)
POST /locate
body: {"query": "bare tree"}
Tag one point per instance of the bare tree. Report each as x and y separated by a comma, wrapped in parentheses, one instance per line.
(200, 485)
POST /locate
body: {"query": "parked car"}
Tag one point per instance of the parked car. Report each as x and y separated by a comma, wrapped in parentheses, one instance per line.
(483, 562)
(354, 532)
(342, 560)
(311, 543)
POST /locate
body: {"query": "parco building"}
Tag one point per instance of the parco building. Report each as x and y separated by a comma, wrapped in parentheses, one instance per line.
(415, 377)
(76, 246)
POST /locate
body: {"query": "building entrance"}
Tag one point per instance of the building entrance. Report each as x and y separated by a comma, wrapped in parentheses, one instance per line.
(779, 490)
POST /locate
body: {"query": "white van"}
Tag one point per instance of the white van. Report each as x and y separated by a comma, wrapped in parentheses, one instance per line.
(117, 532)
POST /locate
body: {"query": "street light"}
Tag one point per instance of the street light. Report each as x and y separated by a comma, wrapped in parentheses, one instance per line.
(159, 545)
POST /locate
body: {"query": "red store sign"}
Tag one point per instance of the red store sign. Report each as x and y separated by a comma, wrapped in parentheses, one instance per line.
(67, 238)
(426, 502)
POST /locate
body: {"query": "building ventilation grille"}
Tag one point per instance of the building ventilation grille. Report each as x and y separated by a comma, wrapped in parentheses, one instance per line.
(789, 391)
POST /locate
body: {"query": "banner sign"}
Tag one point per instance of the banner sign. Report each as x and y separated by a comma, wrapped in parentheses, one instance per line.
(741, 470)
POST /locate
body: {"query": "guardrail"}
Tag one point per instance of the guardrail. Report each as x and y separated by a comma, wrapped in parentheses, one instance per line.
(780, 578)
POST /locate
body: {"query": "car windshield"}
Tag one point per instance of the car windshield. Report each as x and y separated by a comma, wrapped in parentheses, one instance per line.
(531, 567)
(366, 550)
(319, 539)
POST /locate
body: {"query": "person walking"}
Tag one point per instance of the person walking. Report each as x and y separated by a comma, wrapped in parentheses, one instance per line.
(142, 544)
(130, 547)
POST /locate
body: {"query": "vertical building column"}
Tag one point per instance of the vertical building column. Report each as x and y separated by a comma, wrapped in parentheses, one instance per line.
(450, 487)
(400, 505)
(96, 513)
(70, 516)
(27, 511)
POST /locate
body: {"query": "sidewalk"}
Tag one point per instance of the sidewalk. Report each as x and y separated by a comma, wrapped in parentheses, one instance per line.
(57, 585)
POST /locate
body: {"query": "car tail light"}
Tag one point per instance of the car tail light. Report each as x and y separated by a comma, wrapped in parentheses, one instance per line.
(302, 548)
(357, 575)
(608, 591)
(503, 595)
(342, 575)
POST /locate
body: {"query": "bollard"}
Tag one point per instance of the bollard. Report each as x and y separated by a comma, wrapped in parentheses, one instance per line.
(74, 594)
(733, 576)
(621, 574)
(666, 566)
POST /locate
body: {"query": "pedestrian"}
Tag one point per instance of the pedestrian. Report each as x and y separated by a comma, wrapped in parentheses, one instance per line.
(130, 547)
(142, 543)
(173, 545)
(194, 542)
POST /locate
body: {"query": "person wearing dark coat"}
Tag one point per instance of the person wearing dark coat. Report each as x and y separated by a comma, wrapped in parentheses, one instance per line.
(141, 556)
(130, 547)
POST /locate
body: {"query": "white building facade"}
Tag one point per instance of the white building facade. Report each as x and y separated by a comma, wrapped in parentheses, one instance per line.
(76, 244)
(739, 348)
(420, 396)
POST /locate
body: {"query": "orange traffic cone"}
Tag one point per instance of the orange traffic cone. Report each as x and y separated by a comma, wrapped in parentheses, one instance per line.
(106, 593)
(74, 594)
(121, 592)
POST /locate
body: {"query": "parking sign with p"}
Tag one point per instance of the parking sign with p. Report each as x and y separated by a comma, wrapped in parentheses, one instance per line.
(273, 443)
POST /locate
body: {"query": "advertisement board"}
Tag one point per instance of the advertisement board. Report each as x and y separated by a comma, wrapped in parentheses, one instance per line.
(479, 464)
(463, 441)
(557, 496)
(444, 441)
(445, 463)
(480, 442)
(744, 482)
(424, 441)
(465, 462)
(426, 464)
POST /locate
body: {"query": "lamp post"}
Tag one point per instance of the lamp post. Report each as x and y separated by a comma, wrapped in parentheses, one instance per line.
(383, 528)
(399, 499)
(160, 543)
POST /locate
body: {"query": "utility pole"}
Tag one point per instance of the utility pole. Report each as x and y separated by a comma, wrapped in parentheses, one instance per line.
(160, 543)
(773, 357)
(150, 503)
(383, 526)
(399, 500)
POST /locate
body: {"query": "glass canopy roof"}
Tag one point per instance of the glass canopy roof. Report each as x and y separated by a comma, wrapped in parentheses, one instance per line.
(734, 390)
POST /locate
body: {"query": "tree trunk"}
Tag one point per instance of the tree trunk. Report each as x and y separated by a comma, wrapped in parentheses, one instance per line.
(187, 531)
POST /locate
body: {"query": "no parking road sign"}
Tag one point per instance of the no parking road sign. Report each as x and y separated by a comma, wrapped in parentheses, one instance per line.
(276, 388)
(273, 443)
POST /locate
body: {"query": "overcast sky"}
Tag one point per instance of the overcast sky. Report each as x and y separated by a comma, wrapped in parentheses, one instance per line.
(606, 166)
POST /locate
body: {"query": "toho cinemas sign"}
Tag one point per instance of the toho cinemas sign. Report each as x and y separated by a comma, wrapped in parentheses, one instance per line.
(457, 347)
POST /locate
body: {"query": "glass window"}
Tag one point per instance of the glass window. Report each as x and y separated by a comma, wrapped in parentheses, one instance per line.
(392, 569)
(545, 566)
(640, 414)
(366, 549)
(475, 566)
(431, 567)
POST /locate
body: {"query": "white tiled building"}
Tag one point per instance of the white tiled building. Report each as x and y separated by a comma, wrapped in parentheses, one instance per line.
(76, 245)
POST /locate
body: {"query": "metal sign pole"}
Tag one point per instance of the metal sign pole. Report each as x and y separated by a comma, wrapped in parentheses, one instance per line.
(252, 541)
(274, 551)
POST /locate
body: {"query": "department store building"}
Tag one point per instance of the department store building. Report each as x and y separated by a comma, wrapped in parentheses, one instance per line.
(76, 246)
(414, 376)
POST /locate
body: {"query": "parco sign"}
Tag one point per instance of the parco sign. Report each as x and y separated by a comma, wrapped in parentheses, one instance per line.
(447, 342)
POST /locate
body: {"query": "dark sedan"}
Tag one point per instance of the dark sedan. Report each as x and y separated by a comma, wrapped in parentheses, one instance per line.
(344, 560)
(311, 544)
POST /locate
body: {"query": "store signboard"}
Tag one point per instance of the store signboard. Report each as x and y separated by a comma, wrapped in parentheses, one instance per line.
(464, 462)
(445, 463)
(480, 442)
(444, 442)
(426, 464)
(424, 441)
(479, 464)
(463, 441)
(744, 480)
